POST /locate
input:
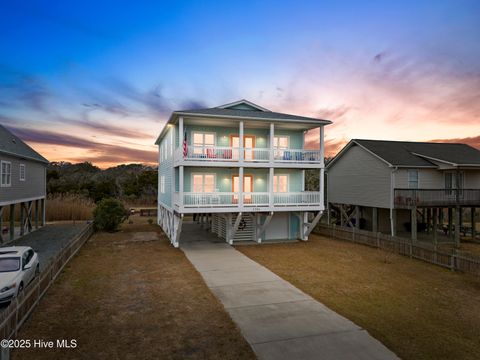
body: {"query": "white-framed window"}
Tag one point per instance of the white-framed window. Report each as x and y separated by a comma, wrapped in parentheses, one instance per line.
(280, 144)
(280, 183)
(5, 173)
(202, 140)
(203, 183)
(162, 184)
(22, 171)
(412, 179)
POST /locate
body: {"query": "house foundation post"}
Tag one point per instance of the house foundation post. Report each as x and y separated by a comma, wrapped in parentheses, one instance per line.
(460, 220)
(37, 215)
(357, 216)
(440, 218)
(22, 219)
(44, 213)
(429, 219)
(450, 215)
(12, 221)
(1, 224)
(434, 227)
(457, 226)
(473, 222)
(413, 223)
(375, 219)
(393, 222)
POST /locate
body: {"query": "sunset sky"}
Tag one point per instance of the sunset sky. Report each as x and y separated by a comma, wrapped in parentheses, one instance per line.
(96, 81)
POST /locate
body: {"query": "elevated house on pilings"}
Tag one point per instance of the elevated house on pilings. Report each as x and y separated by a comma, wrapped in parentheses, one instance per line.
(423, 189)
(241, 169)
(22, 187)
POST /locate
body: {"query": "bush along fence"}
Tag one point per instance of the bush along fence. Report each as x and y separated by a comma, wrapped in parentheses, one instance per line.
(456, 260)
(14, 316)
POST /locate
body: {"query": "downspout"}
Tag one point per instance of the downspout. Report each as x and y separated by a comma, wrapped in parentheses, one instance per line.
(392, 194)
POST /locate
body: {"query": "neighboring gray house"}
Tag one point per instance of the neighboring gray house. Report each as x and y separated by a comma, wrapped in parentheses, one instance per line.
(386, 185)
(22, 184)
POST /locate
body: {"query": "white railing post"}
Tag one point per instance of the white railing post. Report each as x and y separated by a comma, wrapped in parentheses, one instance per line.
(180, 134)
(272, 135)
(270, 187)
(322, 166)
(240, 187)
(180, 187)
(240, 142)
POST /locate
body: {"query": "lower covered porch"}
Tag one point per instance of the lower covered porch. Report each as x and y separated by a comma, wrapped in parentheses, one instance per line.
(225, 189)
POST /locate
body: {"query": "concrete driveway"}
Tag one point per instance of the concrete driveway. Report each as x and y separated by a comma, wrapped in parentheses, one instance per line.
(277, 319)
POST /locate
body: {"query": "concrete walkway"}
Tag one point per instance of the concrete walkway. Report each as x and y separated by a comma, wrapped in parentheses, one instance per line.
(277, 319)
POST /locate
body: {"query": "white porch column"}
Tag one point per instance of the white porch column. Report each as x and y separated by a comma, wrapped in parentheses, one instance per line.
(180, 187)
(322, 167)
(240, 187)
(270, 186)
(240, 142)
(180, 131)
(303, 180)
(272, 135)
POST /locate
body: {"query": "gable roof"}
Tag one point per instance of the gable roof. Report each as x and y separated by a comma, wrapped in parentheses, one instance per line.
(242, 109)
(13, 145)
(243, 104)
(418, 154)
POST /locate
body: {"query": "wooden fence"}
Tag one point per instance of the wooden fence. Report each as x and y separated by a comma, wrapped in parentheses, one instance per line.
(455, 260)
(13, 317)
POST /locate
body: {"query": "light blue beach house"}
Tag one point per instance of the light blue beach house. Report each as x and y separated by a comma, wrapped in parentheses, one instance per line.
(241, 168)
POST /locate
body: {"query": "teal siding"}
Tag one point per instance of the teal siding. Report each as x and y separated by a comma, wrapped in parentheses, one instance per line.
(294, 178)
(260, 178)
(262, 136)
(294, 226)
(223, 179)
(295, 138)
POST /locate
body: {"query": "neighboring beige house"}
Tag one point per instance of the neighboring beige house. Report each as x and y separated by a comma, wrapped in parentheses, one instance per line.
(386, 185)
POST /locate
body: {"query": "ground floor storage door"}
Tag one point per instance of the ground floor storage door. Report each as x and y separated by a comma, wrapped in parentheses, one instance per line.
(278, 229)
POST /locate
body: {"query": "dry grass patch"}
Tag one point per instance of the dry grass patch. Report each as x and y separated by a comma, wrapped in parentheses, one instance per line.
(418, 310)
(130, 295)
(69, 207)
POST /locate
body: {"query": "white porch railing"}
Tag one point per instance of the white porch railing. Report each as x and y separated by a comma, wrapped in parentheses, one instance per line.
(297, 155)
(212, 153)
(256, 199)
(251, 199)
(296, 198)
(257, 154)
(215, 199)
(227, 153)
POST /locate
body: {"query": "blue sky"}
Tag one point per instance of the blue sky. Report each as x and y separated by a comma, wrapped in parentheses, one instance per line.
(96, 80)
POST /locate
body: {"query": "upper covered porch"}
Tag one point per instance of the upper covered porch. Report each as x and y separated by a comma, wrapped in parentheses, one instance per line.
(230, 141)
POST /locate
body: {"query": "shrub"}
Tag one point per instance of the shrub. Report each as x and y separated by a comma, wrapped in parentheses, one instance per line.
(109, 214)
(150, 221)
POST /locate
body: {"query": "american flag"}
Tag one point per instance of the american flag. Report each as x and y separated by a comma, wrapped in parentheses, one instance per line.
(185, 145)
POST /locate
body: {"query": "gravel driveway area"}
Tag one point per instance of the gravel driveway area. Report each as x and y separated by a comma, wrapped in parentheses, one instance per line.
(49, 240)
